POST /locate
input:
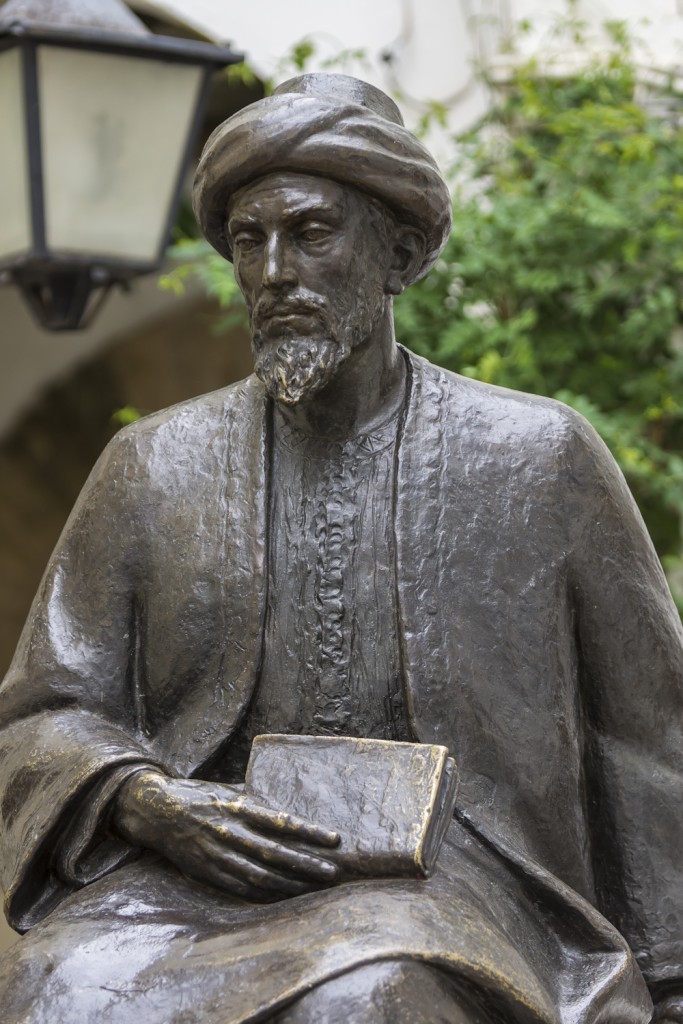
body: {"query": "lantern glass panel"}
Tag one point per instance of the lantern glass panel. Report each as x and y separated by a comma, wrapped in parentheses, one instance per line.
(15, 206)
(114, 130)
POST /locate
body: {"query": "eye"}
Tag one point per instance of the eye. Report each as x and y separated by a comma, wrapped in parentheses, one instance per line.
(315, 233)
(245, 241)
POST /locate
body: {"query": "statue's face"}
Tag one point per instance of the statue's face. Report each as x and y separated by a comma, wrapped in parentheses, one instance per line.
(310, 258)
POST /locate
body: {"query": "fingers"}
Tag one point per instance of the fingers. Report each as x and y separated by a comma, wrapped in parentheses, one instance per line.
(279, 821)
(270, 852)
(259, 876)
(210, 874)
(231, 872)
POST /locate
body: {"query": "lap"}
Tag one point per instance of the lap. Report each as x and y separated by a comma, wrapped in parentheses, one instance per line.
(145, 943)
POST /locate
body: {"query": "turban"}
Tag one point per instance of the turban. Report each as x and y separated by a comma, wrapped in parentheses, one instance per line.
(329, 126)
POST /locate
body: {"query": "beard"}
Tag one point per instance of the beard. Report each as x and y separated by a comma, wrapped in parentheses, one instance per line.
(292, 365)
(294, 369)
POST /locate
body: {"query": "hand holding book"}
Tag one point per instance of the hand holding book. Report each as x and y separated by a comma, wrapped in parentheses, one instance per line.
(390, 802)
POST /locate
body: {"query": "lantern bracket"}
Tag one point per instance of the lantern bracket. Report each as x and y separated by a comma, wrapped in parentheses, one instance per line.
(64, 299)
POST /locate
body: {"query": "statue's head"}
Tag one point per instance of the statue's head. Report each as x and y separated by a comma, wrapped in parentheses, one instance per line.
(328, 207)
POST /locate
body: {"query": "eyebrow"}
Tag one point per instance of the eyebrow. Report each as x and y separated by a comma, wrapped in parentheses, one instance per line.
(294, 212)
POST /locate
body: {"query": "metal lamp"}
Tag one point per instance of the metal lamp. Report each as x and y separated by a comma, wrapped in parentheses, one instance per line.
(100, 119)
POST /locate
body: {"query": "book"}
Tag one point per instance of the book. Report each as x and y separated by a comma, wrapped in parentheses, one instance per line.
(391, 802)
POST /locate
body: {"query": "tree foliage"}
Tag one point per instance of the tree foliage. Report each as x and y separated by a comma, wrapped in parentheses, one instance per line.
(564, 272)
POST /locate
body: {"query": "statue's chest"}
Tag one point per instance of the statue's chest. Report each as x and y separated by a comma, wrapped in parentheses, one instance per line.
(331, 648)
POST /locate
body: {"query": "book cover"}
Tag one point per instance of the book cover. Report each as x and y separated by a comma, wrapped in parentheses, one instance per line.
(391, 802)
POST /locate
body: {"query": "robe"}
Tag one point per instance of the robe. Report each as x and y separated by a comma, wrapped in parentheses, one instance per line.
(538, 641)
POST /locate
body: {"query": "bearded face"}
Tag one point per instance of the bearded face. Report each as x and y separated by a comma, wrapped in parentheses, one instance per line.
(297, 345)
(309, 257)
(300, 342)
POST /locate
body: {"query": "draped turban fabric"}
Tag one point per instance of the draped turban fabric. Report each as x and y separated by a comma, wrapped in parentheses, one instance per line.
(329, 126)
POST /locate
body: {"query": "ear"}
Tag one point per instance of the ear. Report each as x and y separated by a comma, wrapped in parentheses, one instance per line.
(407, 255)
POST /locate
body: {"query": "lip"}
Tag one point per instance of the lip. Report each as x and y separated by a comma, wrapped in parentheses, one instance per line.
(285, 317)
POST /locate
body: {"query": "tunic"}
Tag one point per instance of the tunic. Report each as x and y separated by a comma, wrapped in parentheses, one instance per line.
(331, 653)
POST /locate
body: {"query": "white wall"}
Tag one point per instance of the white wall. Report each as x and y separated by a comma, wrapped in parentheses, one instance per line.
(437, 43)
(657, 25)
(433, 42)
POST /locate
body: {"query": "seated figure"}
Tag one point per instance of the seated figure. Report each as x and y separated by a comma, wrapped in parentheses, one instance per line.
(351, 542)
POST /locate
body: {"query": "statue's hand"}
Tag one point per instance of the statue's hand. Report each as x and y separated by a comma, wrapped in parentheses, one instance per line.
(220, 837)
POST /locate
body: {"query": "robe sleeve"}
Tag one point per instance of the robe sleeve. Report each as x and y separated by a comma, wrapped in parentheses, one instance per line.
(69, 725)
(631, 653)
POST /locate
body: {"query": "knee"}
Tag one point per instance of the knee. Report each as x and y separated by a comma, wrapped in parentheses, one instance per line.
(388, 992)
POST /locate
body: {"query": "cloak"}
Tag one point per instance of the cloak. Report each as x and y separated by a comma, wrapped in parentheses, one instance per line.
(539, 642)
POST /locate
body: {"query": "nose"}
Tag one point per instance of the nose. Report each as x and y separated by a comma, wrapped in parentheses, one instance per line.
(278, 267)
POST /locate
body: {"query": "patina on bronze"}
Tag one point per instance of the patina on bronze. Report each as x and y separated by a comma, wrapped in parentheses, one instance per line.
(350, 542)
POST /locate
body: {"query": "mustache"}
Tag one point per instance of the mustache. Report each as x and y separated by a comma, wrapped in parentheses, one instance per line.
(307, 305)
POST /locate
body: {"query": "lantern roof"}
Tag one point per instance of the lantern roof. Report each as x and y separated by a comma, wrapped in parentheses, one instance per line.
(106, 15)
(104, 25)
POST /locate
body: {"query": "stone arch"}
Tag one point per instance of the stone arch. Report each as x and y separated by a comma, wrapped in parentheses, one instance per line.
(46, 458)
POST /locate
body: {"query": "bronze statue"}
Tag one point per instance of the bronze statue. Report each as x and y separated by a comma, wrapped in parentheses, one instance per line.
(351, 542)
